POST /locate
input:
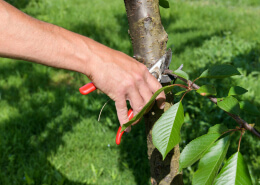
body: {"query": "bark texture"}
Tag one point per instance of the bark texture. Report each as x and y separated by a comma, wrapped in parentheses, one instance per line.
(149, 41)
(148, 36)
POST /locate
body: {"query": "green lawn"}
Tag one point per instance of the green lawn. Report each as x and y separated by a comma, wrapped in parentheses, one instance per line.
(50, 134)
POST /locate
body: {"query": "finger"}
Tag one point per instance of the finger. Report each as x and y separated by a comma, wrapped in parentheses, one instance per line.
(121, 109)
(145, 92)
(136, 100)
(154, 86)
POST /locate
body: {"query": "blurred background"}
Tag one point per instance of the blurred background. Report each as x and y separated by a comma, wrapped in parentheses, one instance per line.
(49, 132)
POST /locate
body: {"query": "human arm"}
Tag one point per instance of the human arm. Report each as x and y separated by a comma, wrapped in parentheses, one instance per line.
(116, 74)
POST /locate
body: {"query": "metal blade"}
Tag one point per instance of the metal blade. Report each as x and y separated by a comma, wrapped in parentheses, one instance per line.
(160, 66)
(167, 78)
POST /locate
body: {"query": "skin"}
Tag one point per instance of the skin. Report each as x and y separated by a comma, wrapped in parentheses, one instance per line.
(23, 37)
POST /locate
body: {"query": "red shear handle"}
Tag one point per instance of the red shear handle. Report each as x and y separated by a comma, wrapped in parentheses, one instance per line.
(88, 88)
(119, 133)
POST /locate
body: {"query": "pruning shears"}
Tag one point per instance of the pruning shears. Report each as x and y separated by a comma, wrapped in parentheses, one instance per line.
(157, 70)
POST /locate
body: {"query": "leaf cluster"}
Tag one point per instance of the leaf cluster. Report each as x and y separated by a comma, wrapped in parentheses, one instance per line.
(211, 148)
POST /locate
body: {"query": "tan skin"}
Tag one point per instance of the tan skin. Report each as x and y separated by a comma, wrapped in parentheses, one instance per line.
(26, 38)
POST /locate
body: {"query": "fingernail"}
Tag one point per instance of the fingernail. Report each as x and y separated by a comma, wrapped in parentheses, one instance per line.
(162, 106)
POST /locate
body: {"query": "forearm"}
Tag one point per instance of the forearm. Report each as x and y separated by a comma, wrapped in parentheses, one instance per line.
(116, 74)
(24, 37)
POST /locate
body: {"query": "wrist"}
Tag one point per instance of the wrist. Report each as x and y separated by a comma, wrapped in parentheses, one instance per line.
(79, 55)
(73, 52)
(96, 57)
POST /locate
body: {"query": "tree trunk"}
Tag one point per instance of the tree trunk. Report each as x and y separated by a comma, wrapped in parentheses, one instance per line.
(149, 41)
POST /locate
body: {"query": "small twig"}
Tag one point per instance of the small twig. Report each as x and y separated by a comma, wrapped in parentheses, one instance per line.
(184, 95)
(240, 121)
(240, 140)
(183, 86)
(195, 81)
(102, 110)
(231, 130)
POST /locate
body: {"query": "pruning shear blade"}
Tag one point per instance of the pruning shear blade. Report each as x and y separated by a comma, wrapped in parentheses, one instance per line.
(157, 70)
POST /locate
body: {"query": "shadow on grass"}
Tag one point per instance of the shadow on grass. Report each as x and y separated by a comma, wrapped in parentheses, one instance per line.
(107, 35)
(249, 61)
(43, 115)
(193, 43)
(20, 4)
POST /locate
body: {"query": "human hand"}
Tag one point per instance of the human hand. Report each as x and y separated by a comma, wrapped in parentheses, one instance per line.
(119, 76)
(123, 78)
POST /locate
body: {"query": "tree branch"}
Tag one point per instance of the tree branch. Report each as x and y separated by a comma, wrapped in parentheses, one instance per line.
(240, 121)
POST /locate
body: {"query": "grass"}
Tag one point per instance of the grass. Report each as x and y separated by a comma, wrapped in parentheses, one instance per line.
(49, 133)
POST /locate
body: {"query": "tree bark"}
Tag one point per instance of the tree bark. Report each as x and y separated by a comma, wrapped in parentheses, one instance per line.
(149, 41)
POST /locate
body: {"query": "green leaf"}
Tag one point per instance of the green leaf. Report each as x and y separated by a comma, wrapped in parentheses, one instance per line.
(218, 128)
(179, 93)
(164, 3)
(234, 172)
(249, 108)
(181, 73)
(210, 163)
(237, 90)
(207, 90)
(196, 148)
(229, 104)
(166, 131)
(220, 71)
(141, 113)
